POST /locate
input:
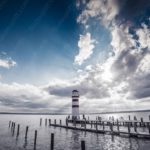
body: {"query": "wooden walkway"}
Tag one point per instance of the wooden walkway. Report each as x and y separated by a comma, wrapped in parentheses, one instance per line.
(107, 127)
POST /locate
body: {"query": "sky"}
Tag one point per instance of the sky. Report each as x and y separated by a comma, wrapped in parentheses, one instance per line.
(50, 47)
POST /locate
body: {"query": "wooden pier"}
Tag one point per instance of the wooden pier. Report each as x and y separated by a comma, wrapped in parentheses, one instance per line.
(127, 128)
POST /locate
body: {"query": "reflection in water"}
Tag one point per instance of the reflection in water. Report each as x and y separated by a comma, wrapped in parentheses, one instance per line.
(75, 138)
(65, 138)
(112, 138)
(25, 143)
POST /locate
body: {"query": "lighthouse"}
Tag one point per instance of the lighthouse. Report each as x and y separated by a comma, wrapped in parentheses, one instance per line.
(75, 104)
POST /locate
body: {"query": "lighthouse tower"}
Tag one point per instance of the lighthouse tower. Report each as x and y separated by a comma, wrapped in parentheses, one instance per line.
(75, 104)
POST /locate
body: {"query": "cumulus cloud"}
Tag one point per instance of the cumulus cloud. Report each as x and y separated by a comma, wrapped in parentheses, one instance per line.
(122, 79)
(29, 98)
(104, 10)
(144, 36)
(86, 46)
(125, 73)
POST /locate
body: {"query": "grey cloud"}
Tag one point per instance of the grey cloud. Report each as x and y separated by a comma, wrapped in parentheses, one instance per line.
(127, 62)
(21, 103)
(88, 87)
(140, 86)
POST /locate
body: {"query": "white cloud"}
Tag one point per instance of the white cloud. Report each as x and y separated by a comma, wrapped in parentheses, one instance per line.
(26, 97)
(86, 45)
(144, 36)
(122, 82)
(121, 39)
(104, 10)
(5, 61)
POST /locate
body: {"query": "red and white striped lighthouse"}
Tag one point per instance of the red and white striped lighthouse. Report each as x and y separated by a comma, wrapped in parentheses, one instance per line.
(75, 104)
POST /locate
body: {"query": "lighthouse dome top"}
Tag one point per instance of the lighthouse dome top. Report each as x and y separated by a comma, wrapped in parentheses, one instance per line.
(75, 93)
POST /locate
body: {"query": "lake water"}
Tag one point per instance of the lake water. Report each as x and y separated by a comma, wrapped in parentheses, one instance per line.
(65, 139)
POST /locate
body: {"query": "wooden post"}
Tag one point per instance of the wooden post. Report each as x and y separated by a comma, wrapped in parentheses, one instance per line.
(55, 121)
(81, 123)
(60, 122)
(12, 124)
(52, 141)
(111, 127)
(96, 126)
(135, 118)
(49, 122)
(103, 125)
(117, 125)
(26, 134)
(82, 145)
(75, 123)
(9, 123)
(35, 137)
(149, 128)
(13, 128)
(129, 128)
(129, 117)
(66, 122)
(85, 123)
(18, 130)
(40, 121)
(135, 127)
(46, 122)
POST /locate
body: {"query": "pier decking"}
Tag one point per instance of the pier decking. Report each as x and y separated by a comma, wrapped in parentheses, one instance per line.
(128, 128)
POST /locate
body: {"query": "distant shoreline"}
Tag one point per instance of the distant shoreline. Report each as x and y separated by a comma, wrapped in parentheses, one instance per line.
(112, 112)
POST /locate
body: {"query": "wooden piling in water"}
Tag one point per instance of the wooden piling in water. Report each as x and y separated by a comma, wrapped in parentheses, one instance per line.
(96, 126)
(149, 128)
(55, 121)
(26, 133)
(13, 129)
(117, 125)
(35, 138)
(12, 124)
(135, 118)
(18, 128)
(60, 121)
(103, 125)
(129, 117)
(66, 122)
(49, 122)
(52, 141)
(82, 145)
(129, 130)
(40, 121)
(85, 124)
(135, 127)
(111, 127)
(46, 122)
(9, 123)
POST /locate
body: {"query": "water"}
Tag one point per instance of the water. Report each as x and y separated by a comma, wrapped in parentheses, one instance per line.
(65, 139)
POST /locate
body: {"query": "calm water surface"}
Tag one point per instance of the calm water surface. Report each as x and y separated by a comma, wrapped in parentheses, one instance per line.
(64, 139)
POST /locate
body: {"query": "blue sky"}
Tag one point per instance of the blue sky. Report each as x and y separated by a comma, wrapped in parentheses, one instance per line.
(39, 35)
(50, 47)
